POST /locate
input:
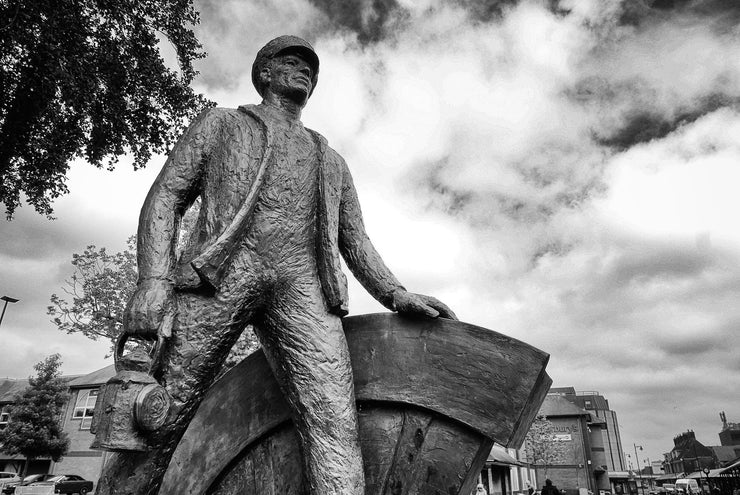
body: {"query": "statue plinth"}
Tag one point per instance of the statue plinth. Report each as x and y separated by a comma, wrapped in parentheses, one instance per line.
(432, 397)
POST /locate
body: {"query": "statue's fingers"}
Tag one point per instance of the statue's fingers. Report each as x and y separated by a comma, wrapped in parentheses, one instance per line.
(442, 308)
(447, 313)
(430, 311)
(420, 306)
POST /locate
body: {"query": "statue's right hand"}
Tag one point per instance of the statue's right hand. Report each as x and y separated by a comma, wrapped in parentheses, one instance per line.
(148, 309)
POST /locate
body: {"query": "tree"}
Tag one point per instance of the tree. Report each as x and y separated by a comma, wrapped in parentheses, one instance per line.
(542, 446)
(85, 78)
(34, 429)
(100, 286)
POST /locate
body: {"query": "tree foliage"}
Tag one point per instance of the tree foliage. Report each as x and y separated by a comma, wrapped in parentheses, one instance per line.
(34, 429)
(99, 288)
(542, 447)
(85, 78)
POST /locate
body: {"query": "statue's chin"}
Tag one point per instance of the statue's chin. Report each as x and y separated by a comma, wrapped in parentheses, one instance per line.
(300, 96)
(298, 93)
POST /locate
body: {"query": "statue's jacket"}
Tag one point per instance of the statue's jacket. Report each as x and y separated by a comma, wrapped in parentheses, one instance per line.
(223, 157)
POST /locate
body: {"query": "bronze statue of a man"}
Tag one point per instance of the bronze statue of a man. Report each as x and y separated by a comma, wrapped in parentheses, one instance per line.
(278, 207)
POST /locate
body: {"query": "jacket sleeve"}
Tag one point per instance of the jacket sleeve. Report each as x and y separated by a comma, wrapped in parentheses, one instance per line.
(172, 193)
(358, 251)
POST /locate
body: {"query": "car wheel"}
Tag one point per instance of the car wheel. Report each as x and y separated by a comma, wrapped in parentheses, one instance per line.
(83, 491)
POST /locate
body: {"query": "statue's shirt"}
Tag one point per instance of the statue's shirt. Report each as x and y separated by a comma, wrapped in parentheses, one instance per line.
(282, 233)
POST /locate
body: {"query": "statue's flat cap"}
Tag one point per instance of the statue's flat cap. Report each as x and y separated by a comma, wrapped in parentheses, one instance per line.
(282, 44)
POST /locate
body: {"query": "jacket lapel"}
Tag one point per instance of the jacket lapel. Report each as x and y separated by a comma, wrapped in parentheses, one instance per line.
(211, 264)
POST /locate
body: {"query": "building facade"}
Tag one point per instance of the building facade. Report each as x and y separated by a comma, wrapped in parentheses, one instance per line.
(730, 434)
(688, 455)
(80, 458)
(597, 404)
(76, 419)
(583, 465)
(8, 390)
(507, 472)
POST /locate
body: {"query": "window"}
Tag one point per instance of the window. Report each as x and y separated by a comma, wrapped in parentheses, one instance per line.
(84, 407)
(4, 416)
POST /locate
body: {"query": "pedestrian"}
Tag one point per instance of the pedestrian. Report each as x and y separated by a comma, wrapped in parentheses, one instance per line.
(530, 488)
(549, 488)
(480, 490)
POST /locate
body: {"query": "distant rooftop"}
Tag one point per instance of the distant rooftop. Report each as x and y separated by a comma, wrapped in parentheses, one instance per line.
(572, 391)
(556, 405)
(10, 387)
(95, 378)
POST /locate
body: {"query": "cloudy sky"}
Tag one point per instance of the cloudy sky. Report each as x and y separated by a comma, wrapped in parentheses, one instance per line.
(564, 172)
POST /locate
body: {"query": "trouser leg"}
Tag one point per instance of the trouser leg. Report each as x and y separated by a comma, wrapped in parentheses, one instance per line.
(307, 350)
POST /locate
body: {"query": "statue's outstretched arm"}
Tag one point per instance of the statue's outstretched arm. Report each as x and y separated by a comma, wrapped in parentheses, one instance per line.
(172, 193)
(368, 267)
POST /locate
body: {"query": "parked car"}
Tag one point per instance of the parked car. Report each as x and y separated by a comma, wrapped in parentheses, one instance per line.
(687, 485)
(9, 489)
(8, 477)
(67, 483)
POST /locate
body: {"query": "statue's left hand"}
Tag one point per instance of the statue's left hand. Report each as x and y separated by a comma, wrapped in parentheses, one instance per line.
(418, 304)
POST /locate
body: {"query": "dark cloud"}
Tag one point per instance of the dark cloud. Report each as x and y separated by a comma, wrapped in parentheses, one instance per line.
(482, 206)
(371, 20)
(710, 342)
(630, 12)
(696, 346)
(428, 178)
(723, 13)
(31, 236)
(640, 126)
(665, 261)
(486, 10)
(380, 20)
(706, 7)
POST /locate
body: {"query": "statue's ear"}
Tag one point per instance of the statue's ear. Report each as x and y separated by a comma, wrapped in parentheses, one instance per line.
(265, 74)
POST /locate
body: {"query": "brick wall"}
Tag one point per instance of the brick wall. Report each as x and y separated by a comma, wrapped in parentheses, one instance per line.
(571, 472)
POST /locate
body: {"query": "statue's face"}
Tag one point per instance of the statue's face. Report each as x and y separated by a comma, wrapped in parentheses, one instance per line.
(290, 76)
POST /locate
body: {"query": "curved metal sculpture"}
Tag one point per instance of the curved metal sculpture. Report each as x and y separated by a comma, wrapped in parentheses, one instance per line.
(432, 396)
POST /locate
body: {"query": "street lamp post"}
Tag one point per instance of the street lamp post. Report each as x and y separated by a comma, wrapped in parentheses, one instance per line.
(706, 473)
(639, 471)
(7, 300)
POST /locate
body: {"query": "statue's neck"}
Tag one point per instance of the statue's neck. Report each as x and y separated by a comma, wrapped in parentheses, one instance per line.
(282, 108)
